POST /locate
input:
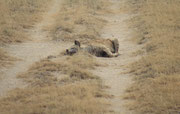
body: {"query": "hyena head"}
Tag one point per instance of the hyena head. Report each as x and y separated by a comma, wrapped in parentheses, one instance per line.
(73, 49)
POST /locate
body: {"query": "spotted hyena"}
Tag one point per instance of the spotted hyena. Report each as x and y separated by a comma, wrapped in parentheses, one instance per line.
(99, 48)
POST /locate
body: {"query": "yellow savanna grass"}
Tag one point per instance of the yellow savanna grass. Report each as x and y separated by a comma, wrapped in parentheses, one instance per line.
(65, 84)
(156, 90)
(5, 60)
(78, 19)
(61, 85)
(15, 17)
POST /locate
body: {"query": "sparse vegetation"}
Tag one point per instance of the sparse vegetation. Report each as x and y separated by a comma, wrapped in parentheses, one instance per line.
(78, 20)
(75, 67)
(66, 84)
(62, 85)
(55, 86)
(67, 99)
(5, 60)
(157, 84)
(16, 17)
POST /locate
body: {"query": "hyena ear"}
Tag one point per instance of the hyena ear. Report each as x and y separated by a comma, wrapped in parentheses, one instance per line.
(77, 43)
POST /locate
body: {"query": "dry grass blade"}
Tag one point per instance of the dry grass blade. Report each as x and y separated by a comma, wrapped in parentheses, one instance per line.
(158, 73)
(16, 17)
(84, 26)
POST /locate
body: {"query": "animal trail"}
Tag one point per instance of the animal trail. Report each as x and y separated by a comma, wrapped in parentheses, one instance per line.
(31, 51)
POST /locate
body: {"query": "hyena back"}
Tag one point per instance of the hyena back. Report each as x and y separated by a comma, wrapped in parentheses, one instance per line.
(107, 48)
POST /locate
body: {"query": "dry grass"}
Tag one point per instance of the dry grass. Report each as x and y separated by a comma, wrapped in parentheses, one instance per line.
(157, 84)
(65, 84)
(79, 19)
(5, 60)
(58, 87)
(45, 72)
(16, 17)
(69, 99)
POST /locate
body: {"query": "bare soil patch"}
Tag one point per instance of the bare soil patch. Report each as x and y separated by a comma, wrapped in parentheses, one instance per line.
(114, 73)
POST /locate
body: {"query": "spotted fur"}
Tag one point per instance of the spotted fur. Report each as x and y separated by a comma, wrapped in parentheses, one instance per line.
(104, 48)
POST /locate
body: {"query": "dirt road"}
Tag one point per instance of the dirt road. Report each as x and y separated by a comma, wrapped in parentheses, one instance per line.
(32, 51)
(113, 75)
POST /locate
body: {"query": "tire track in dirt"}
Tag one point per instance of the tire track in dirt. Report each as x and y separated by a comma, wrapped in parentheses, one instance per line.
(113, 75)
(32, 51)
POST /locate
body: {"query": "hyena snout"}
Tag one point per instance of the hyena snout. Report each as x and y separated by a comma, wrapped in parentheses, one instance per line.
(74, 49)
(71, 51)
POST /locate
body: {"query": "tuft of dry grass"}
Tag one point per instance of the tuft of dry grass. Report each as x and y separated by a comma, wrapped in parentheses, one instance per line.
(16, 17)
(90, 4)
(60, 85)
(78, 98)
(155, 96)
(79, 19)
(5, 60)
(45, 71)
(157, 84)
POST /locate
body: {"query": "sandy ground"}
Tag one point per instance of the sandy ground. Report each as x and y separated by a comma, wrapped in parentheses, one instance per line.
(113, 75)
(32, 51)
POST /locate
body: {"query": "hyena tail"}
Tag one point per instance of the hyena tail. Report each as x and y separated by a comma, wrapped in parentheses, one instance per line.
(115, 45)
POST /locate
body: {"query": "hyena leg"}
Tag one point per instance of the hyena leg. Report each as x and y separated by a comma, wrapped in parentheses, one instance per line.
(115, 43)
